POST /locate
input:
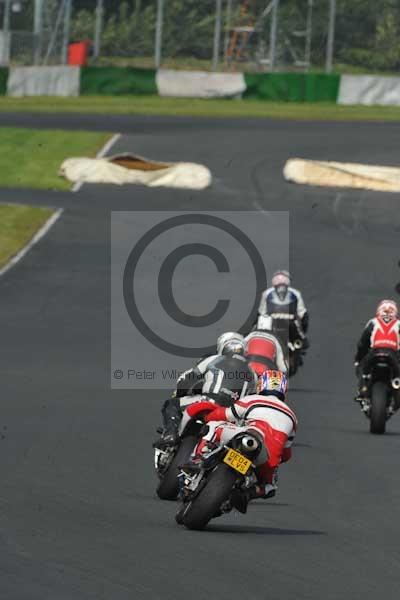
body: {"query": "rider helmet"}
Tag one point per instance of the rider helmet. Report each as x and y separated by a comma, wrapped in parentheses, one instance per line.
(281, 283)
(230, 343)
(387, 311)
(272, 383)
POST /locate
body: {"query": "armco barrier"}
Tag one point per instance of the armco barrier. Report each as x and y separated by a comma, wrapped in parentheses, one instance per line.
(274, 87)
(116, 81)
(43, 81)
(369, 90)
(199, 84)
(292, 87)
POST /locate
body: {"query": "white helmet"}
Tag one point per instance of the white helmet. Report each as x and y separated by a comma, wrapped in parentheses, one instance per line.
(281, 283)
(281, 278)
(230, 343)
(387, 310)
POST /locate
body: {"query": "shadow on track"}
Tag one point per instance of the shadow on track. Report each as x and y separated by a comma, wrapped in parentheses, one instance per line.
(269, 504)
(308, 391)
(253, 529)
(366, 433)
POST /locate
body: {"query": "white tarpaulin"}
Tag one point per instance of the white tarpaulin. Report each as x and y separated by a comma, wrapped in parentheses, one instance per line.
(44, 81)
(126, 168)
(199, 84)
(369, 89)
(336, 174)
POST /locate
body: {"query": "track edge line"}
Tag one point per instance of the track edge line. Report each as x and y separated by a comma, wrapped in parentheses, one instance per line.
(33, 241)
(101, 153)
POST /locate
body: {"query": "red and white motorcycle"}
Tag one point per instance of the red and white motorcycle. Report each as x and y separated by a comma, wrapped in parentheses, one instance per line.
(220, 474)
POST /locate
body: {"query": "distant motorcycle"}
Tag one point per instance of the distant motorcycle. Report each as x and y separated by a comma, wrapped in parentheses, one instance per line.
(382, 394)
(216, 483)
(286, 329)
(168, 461)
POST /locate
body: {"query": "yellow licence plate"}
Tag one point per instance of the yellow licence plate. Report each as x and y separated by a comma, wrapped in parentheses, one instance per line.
(237, 461)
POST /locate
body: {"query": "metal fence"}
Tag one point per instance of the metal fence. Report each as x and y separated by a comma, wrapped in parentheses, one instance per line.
(210, 34)
(43, 33)
(258, 35)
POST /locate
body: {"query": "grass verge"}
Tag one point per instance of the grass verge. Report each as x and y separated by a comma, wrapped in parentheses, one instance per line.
(154, 105)
(18, 225)
(31, 158)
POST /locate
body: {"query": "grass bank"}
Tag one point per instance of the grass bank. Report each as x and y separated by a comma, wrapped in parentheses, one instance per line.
(155, 105)
(31, 158)
(18, 225)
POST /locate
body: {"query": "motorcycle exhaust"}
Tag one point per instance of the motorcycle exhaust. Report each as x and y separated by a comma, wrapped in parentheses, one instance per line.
(396, 383)
(298, 344)
(250, 443)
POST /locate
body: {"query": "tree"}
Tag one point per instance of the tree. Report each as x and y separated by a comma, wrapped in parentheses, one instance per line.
(367, 31)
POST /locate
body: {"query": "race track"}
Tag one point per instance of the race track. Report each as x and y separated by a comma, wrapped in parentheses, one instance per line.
(78, 515)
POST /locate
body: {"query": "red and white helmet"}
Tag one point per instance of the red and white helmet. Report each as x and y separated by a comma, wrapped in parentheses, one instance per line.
(281, 278)
(272, 382)
(387, 310)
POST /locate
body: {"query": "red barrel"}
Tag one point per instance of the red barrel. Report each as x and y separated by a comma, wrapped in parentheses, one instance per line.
(78, 53)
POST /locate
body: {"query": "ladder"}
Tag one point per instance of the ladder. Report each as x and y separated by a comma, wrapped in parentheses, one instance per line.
(240, 35)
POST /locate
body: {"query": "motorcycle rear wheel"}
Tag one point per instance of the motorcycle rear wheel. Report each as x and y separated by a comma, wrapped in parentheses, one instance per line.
(378, 413)
(168, 487)
(208, 502)
(180, 513)
(294, 363)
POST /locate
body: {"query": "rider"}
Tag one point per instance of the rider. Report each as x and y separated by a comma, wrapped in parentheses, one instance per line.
(383, 331)
(264, 351)
(221, 378)
(281, 301)
(268, 415)
(191, 380)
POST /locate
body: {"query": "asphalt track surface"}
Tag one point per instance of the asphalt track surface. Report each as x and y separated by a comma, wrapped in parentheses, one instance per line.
(78, 514)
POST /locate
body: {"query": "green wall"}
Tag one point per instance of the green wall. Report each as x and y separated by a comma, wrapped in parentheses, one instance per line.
(115, 81)
(3, 80)
(292, 87)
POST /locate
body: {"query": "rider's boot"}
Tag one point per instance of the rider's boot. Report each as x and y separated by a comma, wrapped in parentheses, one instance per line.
(265, 491)
(171, 415)
(362, 390)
